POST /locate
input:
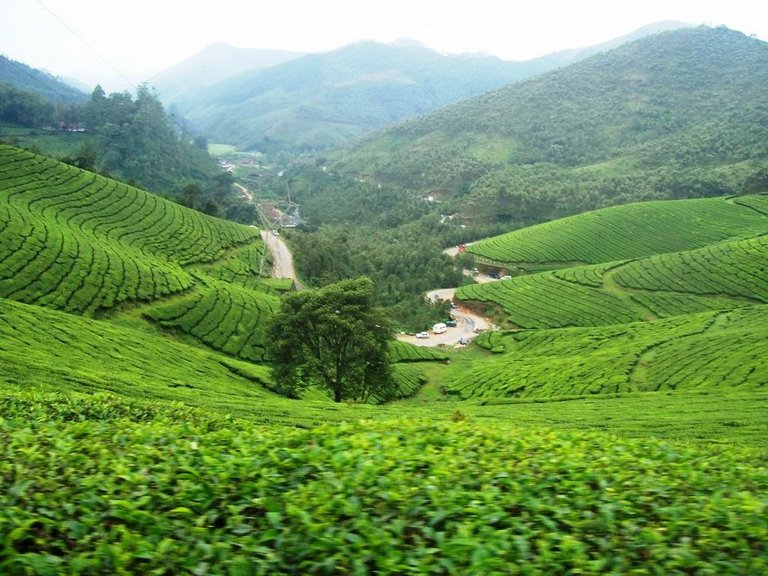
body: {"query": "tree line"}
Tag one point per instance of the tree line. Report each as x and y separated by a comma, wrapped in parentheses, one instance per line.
(133, 139)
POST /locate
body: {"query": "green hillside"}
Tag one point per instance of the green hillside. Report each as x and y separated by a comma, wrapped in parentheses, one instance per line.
(616, 424)
(30, 79)
(321, 100)
(630, 231)
(714, 351)
(78, 242)
(674, 115)
(721, 276)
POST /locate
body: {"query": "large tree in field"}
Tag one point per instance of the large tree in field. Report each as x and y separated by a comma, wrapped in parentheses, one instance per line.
(333, 337)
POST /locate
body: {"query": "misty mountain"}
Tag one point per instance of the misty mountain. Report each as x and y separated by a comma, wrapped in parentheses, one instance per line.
(674, 115)
(214, 63)
(323, 100)
(31, 79)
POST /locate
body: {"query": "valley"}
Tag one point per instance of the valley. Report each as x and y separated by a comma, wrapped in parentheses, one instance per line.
(599, 407)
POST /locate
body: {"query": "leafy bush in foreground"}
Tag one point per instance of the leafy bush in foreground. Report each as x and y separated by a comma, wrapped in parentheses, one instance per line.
(121, 497)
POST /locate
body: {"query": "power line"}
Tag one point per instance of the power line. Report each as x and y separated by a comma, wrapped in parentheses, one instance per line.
(28, 72)
(91, 48)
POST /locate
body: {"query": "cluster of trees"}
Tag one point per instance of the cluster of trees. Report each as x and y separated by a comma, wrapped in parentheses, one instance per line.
(135, 140)
(403, 264)
(24, 108)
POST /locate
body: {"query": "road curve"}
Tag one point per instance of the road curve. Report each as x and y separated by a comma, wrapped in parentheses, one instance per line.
(466, 324)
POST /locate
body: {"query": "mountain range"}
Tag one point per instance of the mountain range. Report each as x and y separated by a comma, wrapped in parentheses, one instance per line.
(321, 100)
(25, 77)
(682, 113)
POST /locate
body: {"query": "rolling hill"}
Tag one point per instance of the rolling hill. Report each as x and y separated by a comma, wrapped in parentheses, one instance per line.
(42, 83)
(136, 437)
(323, 100)
(215, 63)
(628, 231)
(80, 243)
(673, 115)
(688, 319)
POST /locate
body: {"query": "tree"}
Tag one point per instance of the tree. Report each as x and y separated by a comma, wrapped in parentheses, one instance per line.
(333, 337)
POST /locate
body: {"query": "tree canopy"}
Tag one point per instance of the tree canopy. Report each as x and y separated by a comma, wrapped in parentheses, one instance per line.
(335, 338)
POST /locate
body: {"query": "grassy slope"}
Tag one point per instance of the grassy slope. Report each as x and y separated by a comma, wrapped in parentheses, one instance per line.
(725, 275)
(717, 350)
(77, 242)
(630, 231)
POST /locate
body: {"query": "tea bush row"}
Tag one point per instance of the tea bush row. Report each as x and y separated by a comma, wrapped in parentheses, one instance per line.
(736, 269)
(715, 350)
(121, 497)
(79, 242)
(629, 231)
(405, 352)
(545, 301)
(224, 316)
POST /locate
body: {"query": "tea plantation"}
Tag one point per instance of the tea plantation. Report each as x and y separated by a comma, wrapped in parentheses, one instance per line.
(725, 275)
(715, 350)
(617, 424)
(628, 231)
(400, 497)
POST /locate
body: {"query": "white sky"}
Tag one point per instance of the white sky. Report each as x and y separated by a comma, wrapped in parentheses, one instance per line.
(146, 36)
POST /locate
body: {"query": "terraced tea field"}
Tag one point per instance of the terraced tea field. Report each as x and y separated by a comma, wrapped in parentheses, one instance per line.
(78, 242)
(715, 350)
(725, 275)
(626, 232)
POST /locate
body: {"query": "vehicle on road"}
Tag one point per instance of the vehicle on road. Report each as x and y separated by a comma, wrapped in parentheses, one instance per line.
(422, 335)
(439, 328)
(450, 323)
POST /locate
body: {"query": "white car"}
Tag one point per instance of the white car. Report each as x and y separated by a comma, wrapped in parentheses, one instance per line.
(422, 335)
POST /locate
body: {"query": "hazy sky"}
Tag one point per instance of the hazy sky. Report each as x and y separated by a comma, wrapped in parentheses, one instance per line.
(67, 37)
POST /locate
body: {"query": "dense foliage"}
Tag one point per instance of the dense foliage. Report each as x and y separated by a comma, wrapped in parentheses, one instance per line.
(676, 115)
(115, 496)
(134, 140)
(23, 108)
(40, 83)
(334, 338)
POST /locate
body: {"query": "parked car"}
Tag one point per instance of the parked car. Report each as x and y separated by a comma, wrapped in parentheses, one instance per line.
(450, 323)
(422, 335)
(439, 328)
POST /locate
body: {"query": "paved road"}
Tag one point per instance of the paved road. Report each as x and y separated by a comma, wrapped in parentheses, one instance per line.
(466, 323)
(281, 256)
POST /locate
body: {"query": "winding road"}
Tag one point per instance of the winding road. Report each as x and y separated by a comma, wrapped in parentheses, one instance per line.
(281, 257)
(466, 324)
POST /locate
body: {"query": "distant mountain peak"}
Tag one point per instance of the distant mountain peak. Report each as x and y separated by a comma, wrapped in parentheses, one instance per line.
(409, 43)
